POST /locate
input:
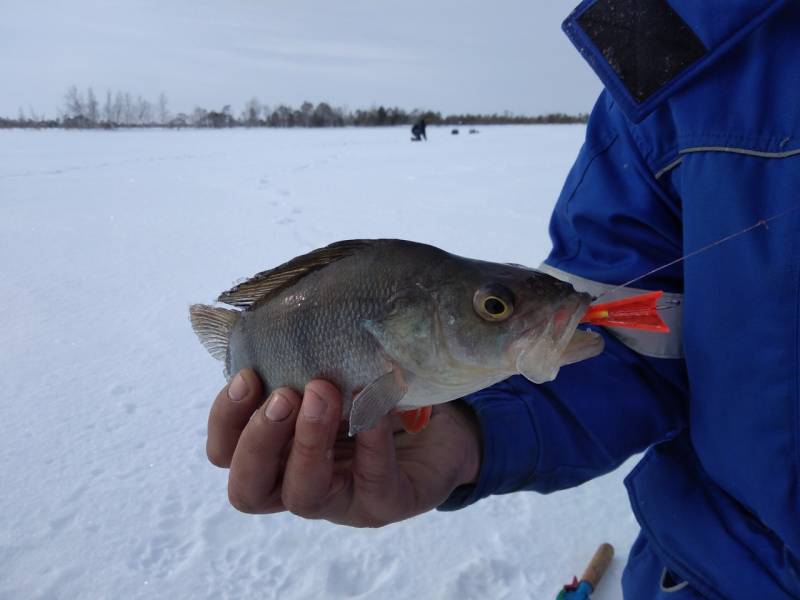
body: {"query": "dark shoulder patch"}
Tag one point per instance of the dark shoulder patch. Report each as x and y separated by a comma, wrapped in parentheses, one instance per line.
(645, 42)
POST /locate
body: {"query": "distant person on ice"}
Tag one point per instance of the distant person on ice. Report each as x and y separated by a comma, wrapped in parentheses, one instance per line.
(418, 130)
(696, 136)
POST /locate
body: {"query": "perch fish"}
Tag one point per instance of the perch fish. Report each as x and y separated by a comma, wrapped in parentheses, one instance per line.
(396, 325)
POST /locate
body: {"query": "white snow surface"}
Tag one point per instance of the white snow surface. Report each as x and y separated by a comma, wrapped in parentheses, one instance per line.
(105, 240)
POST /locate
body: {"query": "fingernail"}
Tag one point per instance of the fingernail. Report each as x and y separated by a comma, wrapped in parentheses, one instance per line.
(314, 407)
(238, 389)
(278, 407)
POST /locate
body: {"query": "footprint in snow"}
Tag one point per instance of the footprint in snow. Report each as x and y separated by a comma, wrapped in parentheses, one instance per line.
(161, 555)
(170, 515)
(485, 578)
(360, 574)
(121, 389)
(62, 522)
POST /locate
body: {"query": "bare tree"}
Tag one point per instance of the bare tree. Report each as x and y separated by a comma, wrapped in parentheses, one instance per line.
(285, 116)
(144, 111)
(199, 117)
(163, 111)
(74, 105)
(108, 108)
(180, 120)
(92, 107)
(118, 110)
(326, 116)
(128, 109)
(82, 109)
(220, 119)
(306, 109)
(251, 112)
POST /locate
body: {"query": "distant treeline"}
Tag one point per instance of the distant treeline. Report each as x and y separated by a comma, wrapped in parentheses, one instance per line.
(123, 109)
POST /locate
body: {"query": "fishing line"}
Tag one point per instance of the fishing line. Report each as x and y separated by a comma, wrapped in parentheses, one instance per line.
(761, 223)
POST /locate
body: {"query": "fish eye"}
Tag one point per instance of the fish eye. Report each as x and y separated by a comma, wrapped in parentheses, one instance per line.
(493, 303)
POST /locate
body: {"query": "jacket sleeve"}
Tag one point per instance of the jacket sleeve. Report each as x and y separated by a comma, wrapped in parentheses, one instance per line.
(612, 222)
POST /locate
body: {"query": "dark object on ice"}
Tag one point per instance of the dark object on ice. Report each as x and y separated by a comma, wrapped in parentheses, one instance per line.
(473, 131)
(418, 130)
(454, 132)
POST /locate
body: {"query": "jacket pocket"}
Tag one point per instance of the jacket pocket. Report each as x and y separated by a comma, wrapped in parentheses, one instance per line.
(646, 578)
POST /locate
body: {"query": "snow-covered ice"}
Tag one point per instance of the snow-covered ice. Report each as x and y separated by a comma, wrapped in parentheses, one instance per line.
(105, 240)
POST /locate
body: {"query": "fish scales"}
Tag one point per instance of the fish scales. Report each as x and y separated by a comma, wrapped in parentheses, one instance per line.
(312, 329)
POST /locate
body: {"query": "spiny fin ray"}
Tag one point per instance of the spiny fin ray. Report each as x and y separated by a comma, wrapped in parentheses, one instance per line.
(263, 285)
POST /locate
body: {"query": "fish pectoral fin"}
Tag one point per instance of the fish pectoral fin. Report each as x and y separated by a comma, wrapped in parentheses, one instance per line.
(376, 400)
(416, 420)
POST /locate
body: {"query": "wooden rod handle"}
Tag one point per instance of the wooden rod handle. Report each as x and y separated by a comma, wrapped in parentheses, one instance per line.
(598, 565)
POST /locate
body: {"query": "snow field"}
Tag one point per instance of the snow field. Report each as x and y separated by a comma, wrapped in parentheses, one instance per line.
(105, 240)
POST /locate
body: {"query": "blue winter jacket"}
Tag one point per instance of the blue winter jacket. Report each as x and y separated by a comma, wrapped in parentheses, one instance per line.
(697, 136)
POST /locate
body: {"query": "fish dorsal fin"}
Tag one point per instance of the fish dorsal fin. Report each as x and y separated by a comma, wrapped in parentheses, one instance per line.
(261, 286)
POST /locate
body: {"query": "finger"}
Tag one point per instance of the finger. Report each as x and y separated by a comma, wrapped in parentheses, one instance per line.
(229, 414)
(309, 470)
(375, 462)
(396, 422)
(256, 469)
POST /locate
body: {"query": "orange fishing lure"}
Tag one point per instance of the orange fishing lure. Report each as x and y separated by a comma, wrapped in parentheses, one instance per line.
(636, 312)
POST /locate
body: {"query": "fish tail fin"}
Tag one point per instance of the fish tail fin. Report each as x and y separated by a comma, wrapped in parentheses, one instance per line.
(213, 326)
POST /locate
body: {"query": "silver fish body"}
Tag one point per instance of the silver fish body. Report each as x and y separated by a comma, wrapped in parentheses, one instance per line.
(396, 325)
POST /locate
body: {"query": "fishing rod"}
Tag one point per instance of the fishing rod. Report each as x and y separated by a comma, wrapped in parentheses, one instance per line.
(641, 311)
(581, 589)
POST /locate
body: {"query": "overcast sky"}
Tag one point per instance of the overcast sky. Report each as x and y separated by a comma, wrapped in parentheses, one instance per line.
(447, 55)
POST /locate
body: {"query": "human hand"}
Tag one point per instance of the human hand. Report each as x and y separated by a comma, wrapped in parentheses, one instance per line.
(291, 454)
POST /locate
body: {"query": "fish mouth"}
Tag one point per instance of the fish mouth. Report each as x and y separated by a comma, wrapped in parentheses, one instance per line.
(582, 345)
(542, 350)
